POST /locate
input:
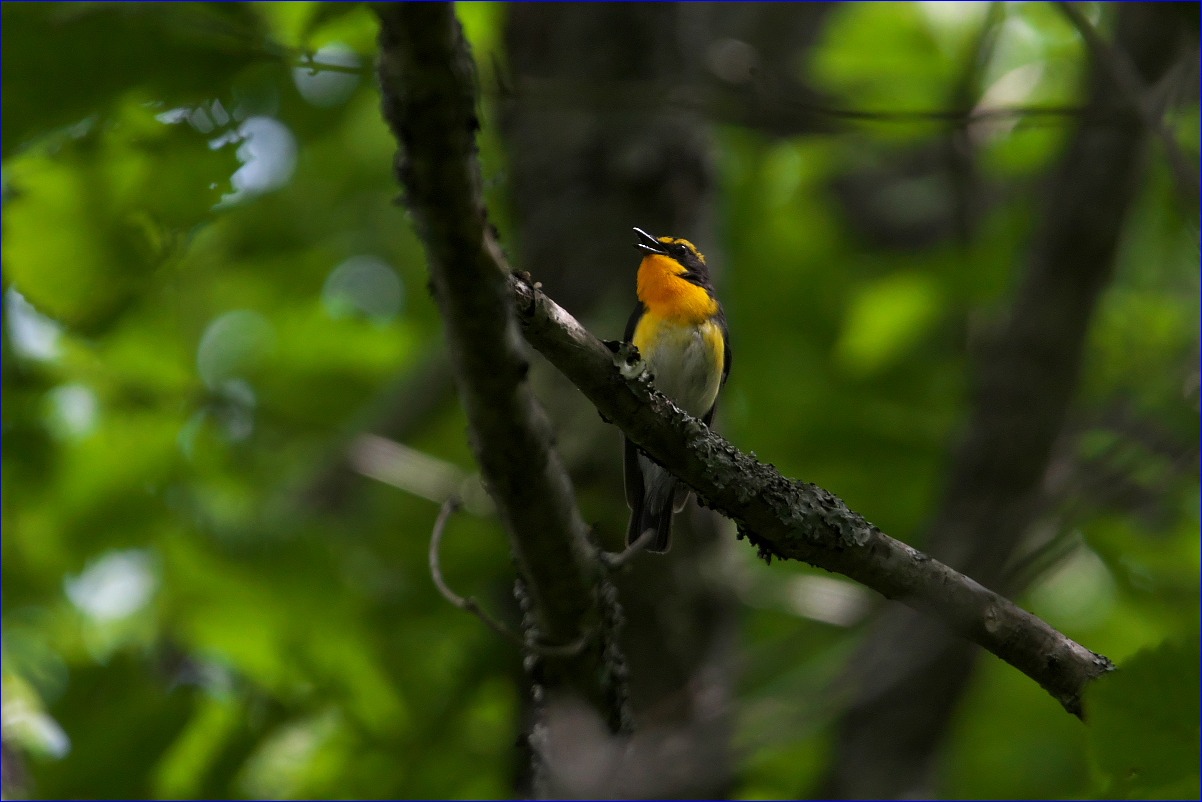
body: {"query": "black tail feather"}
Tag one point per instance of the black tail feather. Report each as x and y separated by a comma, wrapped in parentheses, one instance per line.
(643, 518)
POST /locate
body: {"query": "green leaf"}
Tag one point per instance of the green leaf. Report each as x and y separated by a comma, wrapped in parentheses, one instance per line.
(88, 220)
(75, 60)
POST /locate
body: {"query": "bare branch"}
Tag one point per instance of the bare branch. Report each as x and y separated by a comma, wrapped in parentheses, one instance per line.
(796, 520)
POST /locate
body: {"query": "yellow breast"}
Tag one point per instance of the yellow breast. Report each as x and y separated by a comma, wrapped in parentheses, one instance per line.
(685, 359)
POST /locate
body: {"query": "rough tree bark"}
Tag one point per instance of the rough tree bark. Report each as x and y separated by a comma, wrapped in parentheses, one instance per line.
(428, 80)
(910, 674)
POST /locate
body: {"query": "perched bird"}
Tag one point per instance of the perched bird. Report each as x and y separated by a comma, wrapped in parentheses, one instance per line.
(680, 331)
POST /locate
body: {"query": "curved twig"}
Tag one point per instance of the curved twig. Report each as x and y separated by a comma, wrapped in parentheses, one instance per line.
(468, 603)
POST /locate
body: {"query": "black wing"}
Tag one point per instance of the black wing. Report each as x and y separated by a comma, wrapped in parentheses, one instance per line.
(632, 473)
(631, 324)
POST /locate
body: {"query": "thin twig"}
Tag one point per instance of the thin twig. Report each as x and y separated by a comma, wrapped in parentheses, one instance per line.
(449, 507)
(308, 61)
(625, 95)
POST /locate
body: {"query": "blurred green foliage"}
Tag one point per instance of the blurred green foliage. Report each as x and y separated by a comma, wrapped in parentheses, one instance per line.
(1145, 730)
(208, 289)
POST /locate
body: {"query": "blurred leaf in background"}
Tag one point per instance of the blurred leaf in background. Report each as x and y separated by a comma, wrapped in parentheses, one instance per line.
(1145, 726)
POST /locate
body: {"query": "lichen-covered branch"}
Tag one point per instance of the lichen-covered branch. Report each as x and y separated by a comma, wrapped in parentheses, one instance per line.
(789, 519)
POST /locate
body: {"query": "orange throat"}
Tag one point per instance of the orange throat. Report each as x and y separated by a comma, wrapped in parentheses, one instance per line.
(667, 295)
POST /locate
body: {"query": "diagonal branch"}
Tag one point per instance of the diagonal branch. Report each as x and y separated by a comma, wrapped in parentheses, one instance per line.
(796, 520)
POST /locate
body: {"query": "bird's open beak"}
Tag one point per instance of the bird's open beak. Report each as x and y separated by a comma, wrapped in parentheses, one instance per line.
(648, 243)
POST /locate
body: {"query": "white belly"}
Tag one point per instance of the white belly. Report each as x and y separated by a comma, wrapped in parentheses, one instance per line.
(685, 363)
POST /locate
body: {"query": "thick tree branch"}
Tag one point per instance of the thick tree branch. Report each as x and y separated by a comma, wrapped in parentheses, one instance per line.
(796, 520)
(428, 81)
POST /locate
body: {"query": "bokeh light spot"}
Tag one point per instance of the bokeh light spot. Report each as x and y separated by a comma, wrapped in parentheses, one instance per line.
(268, 155)
(72, 410)
(34, 335)
(115, 586)
(364, 285)
(323, 86)
(232, 344)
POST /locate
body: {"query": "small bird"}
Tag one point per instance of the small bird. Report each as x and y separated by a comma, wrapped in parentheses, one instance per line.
(680, 331)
